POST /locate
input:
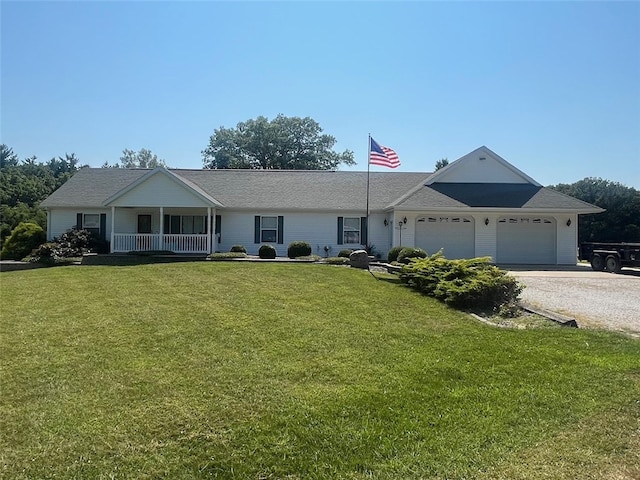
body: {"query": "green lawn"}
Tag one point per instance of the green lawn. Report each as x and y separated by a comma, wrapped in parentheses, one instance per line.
(244, 370)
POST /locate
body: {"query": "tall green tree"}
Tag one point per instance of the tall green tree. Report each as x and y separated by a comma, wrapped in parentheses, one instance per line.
(143, 158)
(443, 162)
(24, 184)
(286, 143)
(621, 220)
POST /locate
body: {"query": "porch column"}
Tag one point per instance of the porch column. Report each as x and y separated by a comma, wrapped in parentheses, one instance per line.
(113, 228)
(209, 229)
(161, 228)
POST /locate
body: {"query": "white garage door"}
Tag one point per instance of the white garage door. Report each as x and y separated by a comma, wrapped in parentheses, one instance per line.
(523, 240)
(454, 235)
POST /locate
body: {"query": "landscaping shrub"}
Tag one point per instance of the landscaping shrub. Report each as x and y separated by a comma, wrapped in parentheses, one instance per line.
(340, 260)
(299, 249)
(267, 251)
(468, 283)
(227, 255)
(392, 255)
(238, 249)
(345, 253)
(71, 244)
(23, 239)
(408, 253)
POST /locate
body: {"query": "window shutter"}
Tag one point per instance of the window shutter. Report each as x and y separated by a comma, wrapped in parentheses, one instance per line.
(363, 231)
(256, 235)
(167, 224)
(79, 221)
(219, 227)
(280, 230)
(340, 230)
(103, 226)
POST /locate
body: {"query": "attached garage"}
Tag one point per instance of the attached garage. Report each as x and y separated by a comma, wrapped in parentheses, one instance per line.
(454, 235)
(526, 240)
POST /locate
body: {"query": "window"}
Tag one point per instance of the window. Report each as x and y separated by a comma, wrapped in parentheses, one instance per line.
(91, 223)
(268, 229)
(185, 224)
(351, 232)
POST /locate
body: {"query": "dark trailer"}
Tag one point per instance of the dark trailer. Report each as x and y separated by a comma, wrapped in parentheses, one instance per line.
(610, 256)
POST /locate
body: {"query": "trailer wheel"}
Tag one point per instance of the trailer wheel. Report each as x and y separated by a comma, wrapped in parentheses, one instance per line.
(613, 263)
(597, 263)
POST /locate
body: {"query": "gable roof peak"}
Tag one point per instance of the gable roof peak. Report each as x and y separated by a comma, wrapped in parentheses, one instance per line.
(481, 165)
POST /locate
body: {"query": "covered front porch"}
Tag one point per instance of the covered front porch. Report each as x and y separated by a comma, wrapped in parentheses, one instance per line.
(179, 230)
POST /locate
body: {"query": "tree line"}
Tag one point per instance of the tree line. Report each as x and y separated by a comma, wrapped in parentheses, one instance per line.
(290, 143)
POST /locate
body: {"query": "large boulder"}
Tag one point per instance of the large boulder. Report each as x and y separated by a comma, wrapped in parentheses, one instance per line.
(359, 259)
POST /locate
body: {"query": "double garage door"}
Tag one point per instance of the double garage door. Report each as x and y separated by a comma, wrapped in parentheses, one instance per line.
(523, 240)
(520, 240)
(454, 235)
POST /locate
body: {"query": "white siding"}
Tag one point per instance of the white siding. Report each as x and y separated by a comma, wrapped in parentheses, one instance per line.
(319, 229)
(63, 219)
(474, 170)
(486, 236)
(567, 239)
(159, 190)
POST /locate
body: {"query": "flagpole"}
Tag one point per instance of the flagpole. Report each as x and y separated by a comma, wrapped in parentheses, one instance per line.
(368, 171)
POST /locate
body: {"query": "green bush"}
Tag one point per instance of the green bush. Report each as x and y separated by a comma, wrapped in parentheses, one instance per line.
(23, 239)
(238, 249)
(298, 249)
(227, 255)
(469, 283)
(392, 255)
(345, 253)
(407, 253)
(71, 244)
(336, 260)
(267, 251)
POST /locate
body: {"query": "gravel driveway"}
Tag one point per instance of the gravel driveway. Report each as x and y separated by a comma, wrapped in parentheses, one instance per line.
(594, 299)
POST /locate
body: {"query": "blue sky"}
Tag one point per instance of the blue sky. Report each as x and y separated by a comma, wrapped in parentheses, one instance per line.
(552, 87)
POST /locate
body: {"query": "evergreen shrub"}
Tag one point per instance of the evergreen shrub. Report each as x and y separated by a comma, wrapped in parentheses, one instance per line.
(468, 283)
(238, 249)
(392, 255)
(71, 244)
(345, 253)
(267, 251)
(407, 253)
(23, 239)
(299, 249)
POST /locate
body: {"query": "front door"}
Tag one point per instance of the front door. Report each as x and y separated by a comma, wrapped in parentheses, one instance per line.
(144, 223)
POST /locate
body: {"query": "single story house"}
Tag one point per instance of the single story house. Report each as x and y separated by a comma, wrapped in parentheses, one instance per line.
(479, 205)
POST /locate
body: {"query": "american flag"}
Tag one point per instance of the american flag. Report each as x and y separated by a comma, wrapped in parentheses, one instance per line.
(383, 156)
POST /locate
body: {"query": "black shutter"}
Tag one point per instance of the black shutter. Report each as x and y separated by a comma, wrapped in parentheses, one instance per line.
(79, 221)
(363, 231)
(167, 224)
(280, 229)
(219, 227)
(256, 233)
(103, 226)
(340, 230)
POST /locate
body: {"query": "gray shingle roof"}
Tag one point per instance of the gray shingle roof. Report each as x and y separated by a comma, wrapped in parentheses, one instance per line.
(318, 190)
(251, 189)
(492, 195)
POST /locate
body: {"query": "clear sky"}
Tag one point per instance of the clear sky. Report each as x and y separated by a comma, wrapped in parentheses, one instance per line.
(552, 87)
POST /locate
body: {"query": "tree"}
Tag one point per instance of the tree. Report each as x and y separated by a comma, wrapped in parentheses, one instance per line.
(141, 159)
(7, 157)
(621, 220)
(443, 162)
(286, 143)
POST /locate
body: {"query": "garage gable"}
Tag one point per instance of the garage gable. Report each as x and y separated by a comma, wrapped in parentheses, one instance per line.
(481, 166)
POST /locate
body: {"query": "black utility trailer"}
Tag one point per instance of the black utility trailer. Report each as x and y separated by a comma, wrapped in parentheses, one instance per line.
(610, 256)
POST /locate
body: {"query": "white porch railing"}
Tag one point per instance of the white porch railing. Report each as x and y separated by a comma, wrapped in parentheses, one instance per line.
(141, 242)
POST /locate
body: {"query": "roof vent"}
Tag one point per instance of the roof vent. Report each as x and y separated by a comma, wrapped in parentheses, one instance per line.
(483, 158)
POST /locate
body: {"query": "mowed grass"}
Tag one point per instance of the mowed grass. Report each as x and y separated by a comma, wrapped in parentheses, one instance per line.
(244, 370)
